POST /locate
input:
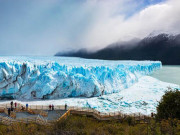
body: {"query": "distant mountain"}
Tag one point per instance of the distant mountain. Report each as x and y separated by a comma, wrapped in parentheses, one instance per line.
(163, 47)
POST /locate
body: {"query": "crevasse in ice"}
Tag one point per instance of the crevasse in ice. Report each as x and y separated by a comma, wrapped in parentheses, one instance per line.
(60, 77)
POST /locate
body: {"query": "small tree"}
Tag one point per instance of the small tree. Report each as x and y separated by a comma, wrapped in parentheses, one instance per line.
(169, 106)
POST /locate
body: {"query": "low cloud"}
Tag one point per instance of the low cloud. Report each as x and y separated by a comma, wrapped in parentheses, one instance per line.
(44, 28)
(158, 18)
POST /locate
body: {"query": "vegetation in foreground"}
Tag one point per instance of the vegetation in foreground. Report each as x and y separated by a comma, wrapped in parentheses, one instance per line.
(166, 122)
(83, 125)
(169, 106)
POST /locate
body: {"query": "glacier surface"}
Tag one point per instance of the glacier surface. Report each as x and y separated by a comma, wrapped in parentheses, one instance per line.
(106, 86)
(62, 77)
(142, 97)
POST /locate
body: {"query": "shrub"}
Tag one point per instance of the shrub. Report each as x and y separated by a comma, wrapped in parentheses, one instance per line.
(130, 121)
(169, 106)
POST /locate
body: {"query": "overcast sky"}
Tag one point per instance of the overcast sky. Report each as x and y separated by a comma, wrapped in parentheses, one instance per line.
(45, 27)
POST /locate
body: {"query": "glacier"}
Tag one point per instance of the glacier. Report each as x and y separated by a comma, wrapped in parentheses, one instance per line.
(107, 86)
(142, 97)
(63, 77)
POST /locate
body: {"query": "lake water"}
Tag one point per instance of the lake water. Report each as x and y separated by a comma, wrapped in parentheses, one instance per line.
(169, 74)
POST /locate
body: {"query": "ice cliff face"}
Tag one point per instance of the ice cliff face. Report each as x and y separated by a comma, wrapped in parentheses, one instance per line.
(55, 77)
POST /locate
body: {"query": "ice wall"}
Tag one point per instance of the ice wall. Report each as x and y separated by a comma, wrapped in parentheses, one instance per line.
(55, 77)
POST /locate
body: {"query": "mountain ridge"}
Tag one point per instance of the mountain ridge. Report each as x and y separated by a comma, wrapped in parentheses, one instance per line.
(162, 47)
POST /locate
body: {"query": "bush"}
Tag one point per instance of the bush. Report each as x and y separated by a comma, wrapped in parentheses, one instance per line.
(129, 121)
(169, 106)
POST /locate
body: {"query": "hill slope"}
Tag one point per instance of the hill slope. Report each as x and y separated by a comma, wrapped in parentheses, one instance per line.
(163, 47)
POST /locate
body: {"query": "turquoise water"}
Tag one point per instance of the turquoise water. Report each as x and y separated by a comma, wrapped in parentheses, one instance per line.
(169, 74)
